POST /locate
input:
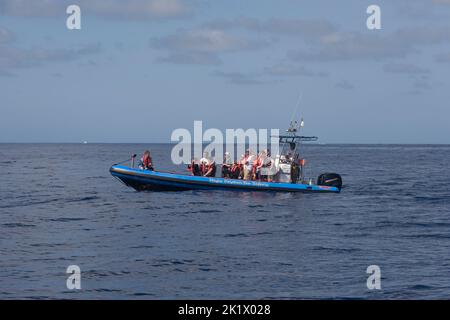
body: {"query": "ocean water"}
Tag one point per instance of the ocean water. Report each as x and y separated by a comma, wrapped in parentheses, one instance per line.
(59, 206)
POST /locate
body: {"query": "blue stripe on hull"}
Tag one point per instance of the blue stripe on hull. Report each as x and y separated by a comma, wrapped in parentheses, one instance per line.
(157, 184)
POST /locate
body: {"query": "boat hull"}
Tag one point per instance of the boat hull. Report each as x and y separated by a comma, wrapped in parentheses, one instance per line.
(141, 180)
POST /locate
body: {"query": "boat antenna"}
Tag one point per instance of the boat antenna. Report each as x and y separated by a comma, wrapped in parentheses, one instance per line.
(294, 113)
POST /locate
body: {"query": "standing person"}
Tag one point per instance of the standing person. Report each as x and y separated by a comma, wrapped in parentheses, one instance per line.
(241, 164)
(248, 165)
(146, 162)
(257, 164)
(267, 167)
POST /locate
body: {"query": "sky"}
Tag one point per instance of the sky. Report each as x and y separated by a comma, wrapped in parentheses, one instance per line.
(139, 69)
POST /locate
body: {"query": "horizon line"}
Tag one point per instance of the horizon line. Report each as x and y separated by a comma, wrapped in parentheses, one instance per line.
(307, 143)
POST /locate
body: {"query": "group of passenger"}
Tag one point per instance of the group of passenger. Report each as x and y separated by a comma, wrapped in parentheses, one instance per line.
(255, 167)
(249, 167)
(206, 167)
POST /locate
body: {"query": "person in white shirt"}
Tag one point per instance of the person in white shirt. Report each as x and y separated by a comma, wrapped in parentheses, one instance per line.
(248, 164)
(267, 167)
(205, 162)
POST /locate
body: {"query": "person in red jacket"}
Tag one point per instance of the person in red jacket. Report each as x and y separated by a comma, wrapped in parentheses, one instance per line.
(146, 162)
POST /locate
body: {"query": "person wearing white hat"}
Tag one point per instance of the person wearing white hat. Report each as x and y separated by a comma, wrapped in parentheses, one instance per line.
(205, 162)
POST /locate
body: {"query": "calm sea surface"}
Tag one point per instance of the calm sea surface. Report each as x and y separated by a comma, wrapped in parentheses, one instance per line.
(59, 206)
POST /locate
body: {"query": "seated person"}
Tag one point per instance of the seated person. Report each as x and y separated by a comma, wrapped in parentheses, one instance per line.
(211, 169)
(146, 162)
(226, 166)
(194, 168)
(235, 171)
(204, 163)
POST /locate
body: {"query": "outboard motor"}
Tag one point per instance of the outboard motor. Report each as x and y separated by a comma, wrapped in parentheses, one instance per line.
(330, 180)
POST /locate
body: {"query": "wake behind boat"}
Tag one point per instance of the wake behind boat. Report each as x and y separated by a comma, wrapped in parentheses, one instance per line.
(287, 168)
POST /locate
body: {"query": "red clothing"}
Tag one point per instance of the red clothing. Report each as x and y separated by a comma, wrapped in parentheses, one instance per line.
(147, 162)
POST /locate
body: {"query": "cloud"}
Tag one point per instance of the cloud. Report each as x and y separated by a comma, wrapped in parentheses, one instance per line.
(5, 73)
(421, 85)
(283, 69)
(200, 46)
(421, 10)
(424, 35)
(324, 41)
(6, 36)
(405, 68)
(239, 78)
(288, 27)
(268, 74)
(344, 84)
(18, 58)
(24, 8)
(373, 46)
(443, 58)
(121, 9)
(199, 58)
(202, 40)
(136, 9)
(353, 46)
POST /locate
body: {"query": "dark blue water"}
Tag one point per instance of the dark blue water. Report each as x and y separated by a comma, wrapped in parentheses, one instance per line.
(59, 206)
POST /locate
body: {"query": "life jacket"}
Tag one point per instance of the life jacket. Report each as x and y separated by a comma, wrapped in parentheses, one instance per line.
(147, 162)
(203, 168)
(204, 165)
(257, 163)
(211, 165)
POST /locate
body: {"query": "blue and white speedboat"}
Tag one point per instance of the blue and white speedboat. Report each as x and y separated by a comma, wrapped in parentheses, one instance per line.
(289, 175)
(142, 180)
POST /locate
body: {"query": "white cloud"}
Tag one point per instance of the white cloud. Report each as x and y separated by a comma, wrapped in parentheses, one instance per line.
(6, 36)
(16, 58)
(308, 29)
(203, 40)
(443, 58)
(199, 58)
(122, 9)
(405, 68)
(283, 69)
(344, 84)
(239, 78)
(371, 46)
(202, 46)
